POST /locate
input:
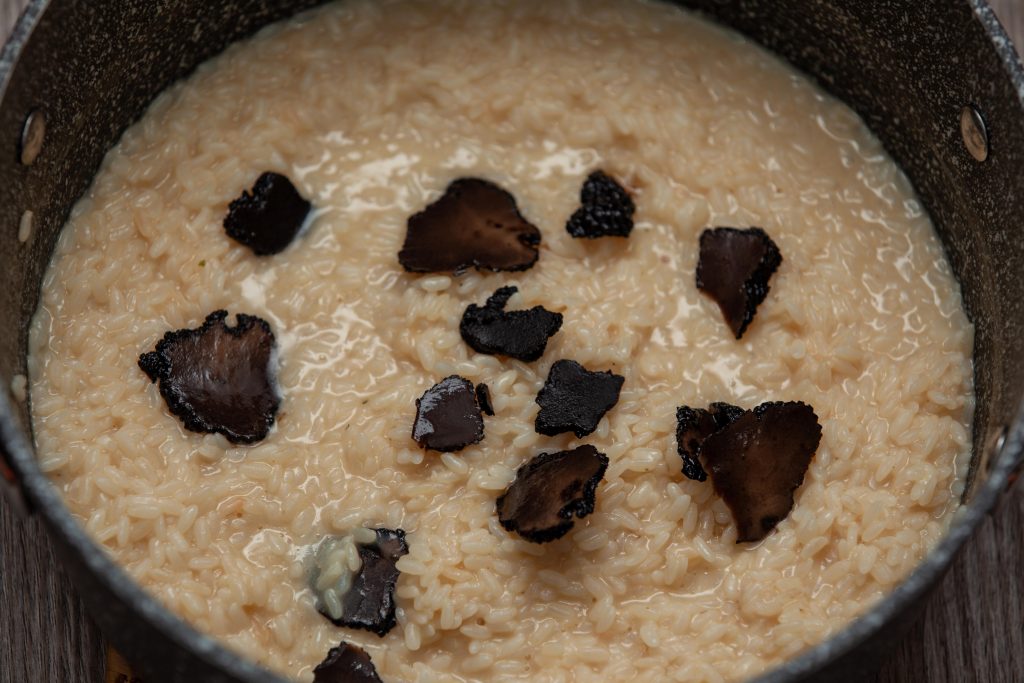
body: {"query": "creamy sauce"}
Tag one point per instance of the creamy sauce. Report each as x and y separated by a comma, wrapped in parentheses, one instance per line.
(372, 108)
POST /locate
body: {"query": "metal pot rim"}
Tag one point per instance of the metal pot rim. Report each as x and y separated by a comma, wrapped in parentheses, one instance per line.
(47, 501)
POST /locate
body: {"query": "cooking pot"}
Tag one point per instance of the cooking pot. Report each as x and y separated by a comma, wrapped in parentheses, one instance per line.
(937, 81)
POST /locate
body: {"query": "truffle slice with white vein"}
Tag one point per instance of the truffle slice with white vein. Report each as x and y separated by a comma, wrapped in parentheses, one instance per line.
(219, 379)
(758, 461)
(733, 269)
(550, 491)
(475, 224)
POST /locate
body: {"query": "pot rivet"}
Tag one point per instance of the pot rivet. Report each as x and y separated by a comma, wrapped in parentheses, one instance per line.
(974, 132)
(33, 133)
(994, 447)
(19, 388)
(25, 226)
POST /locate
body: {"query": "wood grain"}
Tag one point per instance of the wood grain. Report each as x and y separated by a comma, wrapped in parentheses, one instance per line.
(972, 630)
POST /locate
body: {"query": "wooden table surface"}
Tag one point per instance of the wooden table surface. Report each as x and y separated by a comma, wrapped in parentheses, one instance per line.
(972, 630)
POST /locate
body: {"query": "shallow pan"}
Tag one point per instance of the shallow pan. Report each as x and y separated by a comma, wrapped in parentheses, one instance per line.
(937, 81)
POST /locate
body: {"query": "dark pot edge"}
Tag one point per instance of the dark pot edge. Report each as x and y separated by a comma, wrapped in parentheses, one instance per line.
(1003, 464)
(49, 504)
(45, 501)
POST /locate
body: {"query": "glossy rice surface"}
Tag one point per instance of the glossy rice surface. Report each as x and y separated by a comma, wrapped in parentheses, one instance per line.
(372, 108)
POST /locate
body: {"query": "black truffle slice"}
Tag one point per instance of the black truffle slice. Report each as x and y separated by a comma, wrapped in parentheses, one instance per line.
(267, 220)
(346, 663)
(448, 416)
(483, 399)
(549, 490)
(519, 334)
(575, 399)
(370, 603)
(734, 269)
(759, 460)
(475, 223)
(218, 378)
(606, 209)
(693, 426)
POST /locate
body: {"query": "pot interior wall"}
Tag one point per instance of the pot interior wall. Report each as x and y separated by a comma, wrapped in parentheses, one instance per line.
(92, 68)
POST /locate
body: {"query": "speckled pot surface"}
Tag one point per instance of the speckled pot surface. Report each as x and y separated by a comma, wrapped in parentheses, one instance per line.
(908, 67)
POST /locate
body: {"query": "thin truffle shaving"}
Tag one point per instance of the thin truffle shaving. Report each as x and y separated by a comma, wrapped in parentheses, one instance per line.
(474, 224)
(519, 334)
(693, 426)
(267, 220)
(549, 491)
(733, 269)
(759, 460)
(575, 399)
(483, 399)
(346, 663)
(448, 416)
(606, 209)
(218, 379)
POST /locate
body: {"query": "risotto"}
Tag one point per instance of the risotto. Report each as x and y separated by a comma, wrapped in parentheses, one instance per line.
(372, 109)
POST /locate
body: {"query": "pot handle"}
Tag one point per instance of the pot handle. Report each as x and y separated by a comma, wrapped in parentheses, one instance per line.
(1016, 471)
(11, 489)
